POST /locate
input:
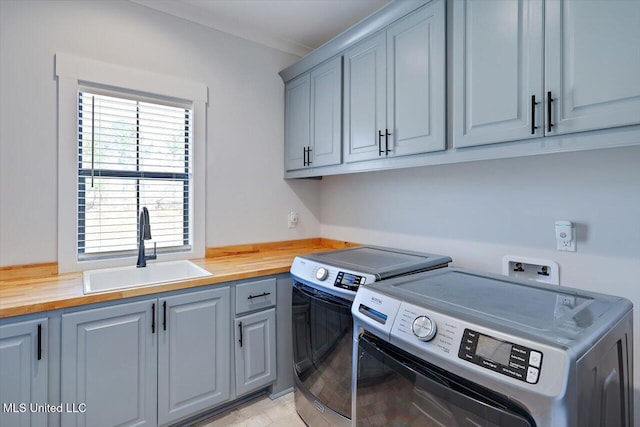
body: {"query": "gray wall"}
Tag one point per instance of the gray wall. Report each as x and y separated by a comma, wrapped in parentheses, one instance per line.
(247, 200)
(509, 202)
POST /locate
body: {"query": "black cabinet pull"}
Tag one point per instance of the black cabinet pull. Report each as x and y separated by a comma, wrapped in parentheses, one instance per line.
(533, 114)
(549, 101)
(39, 341)
(386, 141)
(153, 318)
(164, 315)
(264, 294)
(240, 327)
(309, 149)
(304, 156)
(380, 151)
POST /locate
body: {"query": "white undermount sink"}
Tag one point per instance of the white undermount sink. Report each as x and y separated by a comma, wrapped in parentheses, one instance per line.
(110, 279)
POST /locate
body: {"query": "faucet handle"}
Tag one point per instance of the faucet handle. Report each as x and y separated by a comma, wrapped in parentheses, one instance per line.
(155, 255)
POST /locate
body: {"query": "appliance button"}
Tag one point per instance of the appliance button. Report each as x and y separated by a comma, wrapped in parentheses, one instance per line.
(322, 273)
(424, 328)
(532, 375)
(518, 350)
(535, 358)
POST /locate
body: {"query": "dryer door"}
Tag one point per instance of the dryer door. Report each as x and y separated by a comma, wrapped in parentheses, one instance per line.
(411, 392)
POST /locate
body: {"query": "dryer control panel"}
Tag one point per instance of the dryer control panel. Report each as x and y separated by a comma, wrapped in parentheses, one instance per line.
(513, 360)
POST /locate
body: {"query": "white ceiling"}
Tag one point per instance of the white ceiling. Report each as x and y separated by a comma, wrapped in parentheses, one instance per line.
(292, 26)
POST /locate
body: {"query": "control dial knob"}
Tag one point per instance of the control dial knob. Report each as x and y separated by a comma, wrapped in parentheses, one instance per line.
(424, 328)
(322, 273)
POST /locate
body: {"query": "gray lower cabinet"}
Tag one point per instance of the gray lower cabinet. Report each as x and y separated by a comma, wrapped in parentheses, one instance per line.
(255, 350)
(109, 363)
(147, 363)
(193, 356)
(23, 373)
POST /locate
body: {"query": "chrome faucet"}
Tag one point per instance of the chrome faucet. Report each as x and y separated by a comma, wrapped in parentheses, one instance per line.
(145, 234)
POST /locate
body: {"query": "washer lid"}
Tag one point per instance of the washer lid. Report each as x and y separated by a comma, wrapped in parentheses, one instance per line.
(379, 261)
(544, 312)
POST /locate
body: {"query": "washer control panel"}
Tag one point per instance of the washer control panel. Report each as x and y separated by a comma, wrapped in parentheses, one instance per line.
(350, 281)
(343, 283)
(513, 360)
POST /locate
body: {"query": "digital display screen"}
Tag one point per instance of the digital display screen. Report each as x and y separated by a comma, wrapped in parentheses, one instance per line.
(349, 280)
(494, 350)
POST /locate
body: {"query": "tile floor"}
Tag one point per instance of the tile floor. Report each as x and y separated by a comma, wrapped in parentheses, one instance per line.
(260, 412)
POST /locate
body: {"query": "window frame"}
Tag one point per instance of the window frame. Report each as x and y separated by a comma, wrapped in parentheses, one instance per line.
(74, 74)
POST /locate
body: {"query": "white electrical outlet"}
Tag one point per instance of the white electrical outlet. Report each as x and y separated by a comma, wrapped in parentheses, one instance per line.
(292, 219)
(565, 236)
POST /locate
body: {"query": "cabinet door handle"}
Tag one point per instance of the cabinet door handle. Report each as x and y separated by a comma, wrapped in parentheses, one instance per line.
(39, 341)
(304, 156)
(153, 318)
(264, 294)
(549, 101)
(380, 143)
(164, 315)
(240, 327)
(533, 114)
(386, 141)
(309, 149)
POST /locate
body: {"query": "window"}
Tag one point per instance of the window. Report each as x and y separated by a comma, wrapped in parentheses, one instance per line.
(133, 152)
(128, 138)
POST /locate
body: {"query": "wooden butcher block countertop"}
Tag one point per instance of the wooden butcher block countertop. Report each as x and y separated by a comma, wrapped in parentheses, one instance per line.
(38, 287)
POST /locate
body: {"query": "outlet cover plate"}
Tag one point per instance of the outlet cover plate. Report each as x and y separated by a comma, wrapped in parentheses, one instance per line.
(540, 270)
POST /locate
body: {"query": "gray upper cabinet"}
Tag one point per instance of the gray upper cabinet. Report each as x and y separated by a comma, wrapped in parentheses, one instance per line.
(313, 117)
(365, 100)
(23, 373)
(193, 355)
(416, 82)
(326, 114)
(592, 60)
(507, 86)
(496, 73)
(255, 350)
(109, 362)
(394, 92)
(297, 122)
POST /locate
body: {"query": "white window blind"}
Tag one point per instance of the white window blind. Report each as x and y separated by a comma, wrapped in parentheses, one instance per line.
(132, 152)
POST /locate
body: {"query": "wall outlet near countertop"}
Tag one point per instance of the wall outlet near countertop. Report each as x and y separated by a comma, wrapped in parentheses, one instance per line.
(292, 219)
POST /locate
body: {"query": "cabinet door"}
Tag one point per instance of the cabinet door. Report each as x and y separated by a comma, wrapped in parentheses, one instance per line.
(193, 353)
(365, 99)
(255, 340)
(497, 68)
(23, 373)
(416, 82)
(326, 113)
(109, 363)
(296, 121)
(592, 64)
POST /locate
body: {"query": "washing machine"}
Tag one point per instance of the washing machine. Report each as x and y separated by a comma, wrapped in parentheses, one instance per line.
(453, 347)
(324, 286)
